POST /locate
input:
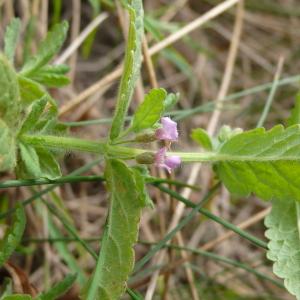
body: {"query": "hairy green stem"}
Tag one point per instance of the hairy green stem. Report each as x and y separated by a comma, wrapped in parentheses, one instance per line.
(122, 152)
(64, 143)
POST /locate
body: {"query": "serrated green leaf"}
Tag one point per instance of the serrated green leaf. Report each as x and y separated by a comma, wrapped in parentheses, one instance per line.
(131, 67)
(59, 289)
(48, 124)
(13, 235)
(295, 113)
(49, 166)
(60, 69)
(266, 163)
(47, 49)
(11, 37)
(9, 94)
(284, 245)
(31, 91)
(37, 163)
(29, 164)
(51, 80)
(201, 137)
(149, 111)
(116, 257)
(52, 76)
(34, 115)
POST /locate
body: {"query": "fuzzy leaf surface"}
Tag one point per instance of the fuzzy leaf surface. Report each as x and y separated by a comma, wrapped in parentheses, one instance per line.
(266, 163)
(9, 93)
(51, 80)
(11, 37)
(7, 149)
(37, 163)
(284, 245)
(131, 67)
(34, 115)
(47, 49)
(149, 111)
(30, 90)
(13, 235)
(116, 257)
(52, 75)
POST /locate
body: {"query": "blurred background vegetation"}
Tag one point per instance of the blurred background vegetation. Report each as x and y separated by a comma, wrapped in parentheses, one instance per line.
(202, 67)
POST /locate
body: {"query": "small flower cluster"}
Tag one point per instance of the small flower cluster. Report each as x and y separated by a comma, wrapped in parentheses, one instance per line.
(168, 132)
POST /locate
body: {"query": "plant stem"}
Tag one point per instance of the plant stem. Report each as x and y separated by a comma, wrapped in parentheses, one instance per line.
(41, 181)
(50, 188)
(64, 143)
(229, 261)
(126, 153)
(74, 179)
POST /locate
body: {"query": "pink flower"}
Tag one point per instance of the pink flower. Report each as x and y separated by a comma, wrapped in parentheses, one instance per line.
(168, 132)
(169, 163)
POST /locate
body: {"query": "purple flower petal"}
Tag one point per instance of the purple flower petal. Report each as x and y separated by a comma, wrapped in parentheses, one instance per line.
(173, 161)
(160, 156)
(168, 131)
(168, 163)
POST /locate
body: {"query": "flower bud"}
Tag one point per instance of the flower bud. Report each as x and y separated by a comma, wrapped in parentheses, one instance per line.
(147, 137)
(226, 133)
(167, 162)
(146, 158)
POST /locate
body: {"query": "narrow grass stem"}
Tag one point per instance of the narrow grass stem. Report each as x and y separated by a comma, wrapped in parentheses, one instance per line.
(42, 181)
(229, 261)
(75, 179)
(215, 218)
(50, 188)
(69, 227)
